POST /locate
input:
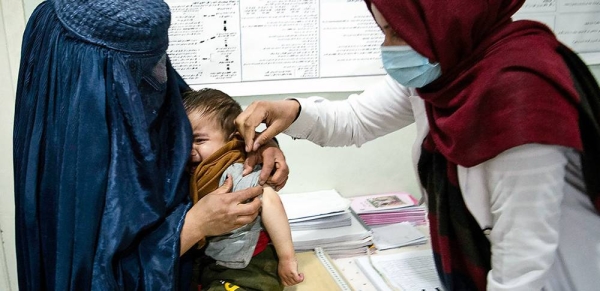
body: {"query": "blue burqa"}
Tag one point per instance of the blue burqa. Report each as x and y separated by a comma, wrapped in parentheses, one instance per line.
(101, 140)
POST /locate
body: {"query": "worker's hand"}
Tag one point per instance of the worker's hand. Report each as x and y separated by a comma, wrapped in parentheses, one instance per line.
(277, 115)
(274, 171)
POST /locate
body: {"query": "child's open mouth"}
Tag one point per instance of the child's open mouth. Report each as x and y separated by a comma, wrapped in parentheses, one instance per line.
(192, 167)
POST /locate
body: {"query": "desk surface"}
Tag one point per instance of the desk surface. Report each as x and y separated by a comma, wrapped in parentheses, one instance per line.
(316, 277)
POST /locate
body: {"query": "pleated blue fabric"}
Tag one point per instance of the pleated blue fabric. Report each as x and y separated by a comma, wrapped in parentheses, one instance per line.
(101, 141)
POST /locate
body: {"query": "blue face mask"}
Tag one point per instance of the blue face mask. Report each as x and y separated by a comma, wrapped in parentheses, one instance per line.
(408, 67)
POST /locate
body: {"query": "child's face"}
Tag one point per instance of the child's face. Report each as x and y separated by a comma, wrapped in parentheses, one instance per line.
(208, 137)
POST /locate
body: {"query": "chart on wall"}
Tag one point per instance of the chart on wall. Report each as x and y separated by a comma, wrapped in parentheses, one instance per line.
(576, 23)
(258, 47)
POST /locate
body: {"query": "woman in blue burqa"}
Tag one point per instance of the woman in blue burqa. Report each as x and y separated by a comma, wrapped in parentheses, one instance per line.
(101, 142)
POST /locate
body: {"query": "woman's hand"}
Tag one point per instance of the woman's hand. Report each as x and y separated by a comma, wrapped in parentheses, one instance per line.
(274, 171)
(219, 212)
(278, 115)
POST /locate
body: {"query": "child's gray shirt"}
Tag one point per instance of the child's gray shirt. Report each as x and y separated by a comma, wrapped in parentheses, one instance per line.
(234, 250)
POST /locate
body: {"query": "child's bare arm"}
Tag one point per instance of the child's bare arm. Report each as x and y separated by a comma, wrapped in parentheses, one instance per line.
(277, 225)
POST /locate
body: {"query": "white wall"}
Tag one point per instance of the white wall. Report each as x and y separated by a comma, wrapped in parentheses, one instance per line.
(379, 166)
(11, 29)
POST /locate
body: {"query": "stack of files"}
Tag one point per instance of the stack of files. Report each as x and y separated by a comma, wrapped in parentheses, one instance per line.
(323, 219)
(388, 208)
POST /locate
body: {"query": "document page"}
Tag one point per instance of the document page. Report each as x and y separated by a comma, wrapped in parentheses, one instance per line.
(280, 39)
(407, 271)
(204, 41)
(576, 23)
(350, 41)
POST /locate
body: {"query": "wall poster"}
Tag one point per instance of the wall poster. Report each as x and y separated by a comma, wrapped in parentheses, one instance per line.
(259, 47)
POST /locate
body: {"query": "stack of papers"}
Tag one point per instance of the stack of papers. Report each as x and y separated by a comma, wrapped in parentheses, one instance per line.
(336, 242)
(388, 208)
(316, 210)
(323, 219)
(397, 235)
(311, 205)
(337, 219)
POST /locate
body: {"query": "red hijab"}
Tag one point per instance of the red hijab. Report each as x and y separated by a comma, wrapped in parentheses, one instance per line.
(503, 84)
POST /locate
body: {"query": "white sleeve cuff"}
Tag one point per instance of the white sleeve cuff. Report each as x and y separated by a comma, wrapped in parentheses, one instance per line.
(306, 119)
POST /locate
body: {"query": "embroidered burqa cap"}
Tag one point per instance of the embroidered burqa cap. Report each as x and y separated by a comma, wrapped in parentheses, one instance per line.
(100, 145)
(132, 26)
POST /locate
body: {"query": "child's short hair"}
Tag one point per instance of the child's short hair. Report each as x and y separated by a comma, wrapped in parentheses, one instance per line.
(216, 103)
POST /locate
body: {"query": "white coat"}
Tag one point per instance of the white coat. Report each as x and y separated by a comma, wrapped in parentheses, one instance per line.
(545, 232)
